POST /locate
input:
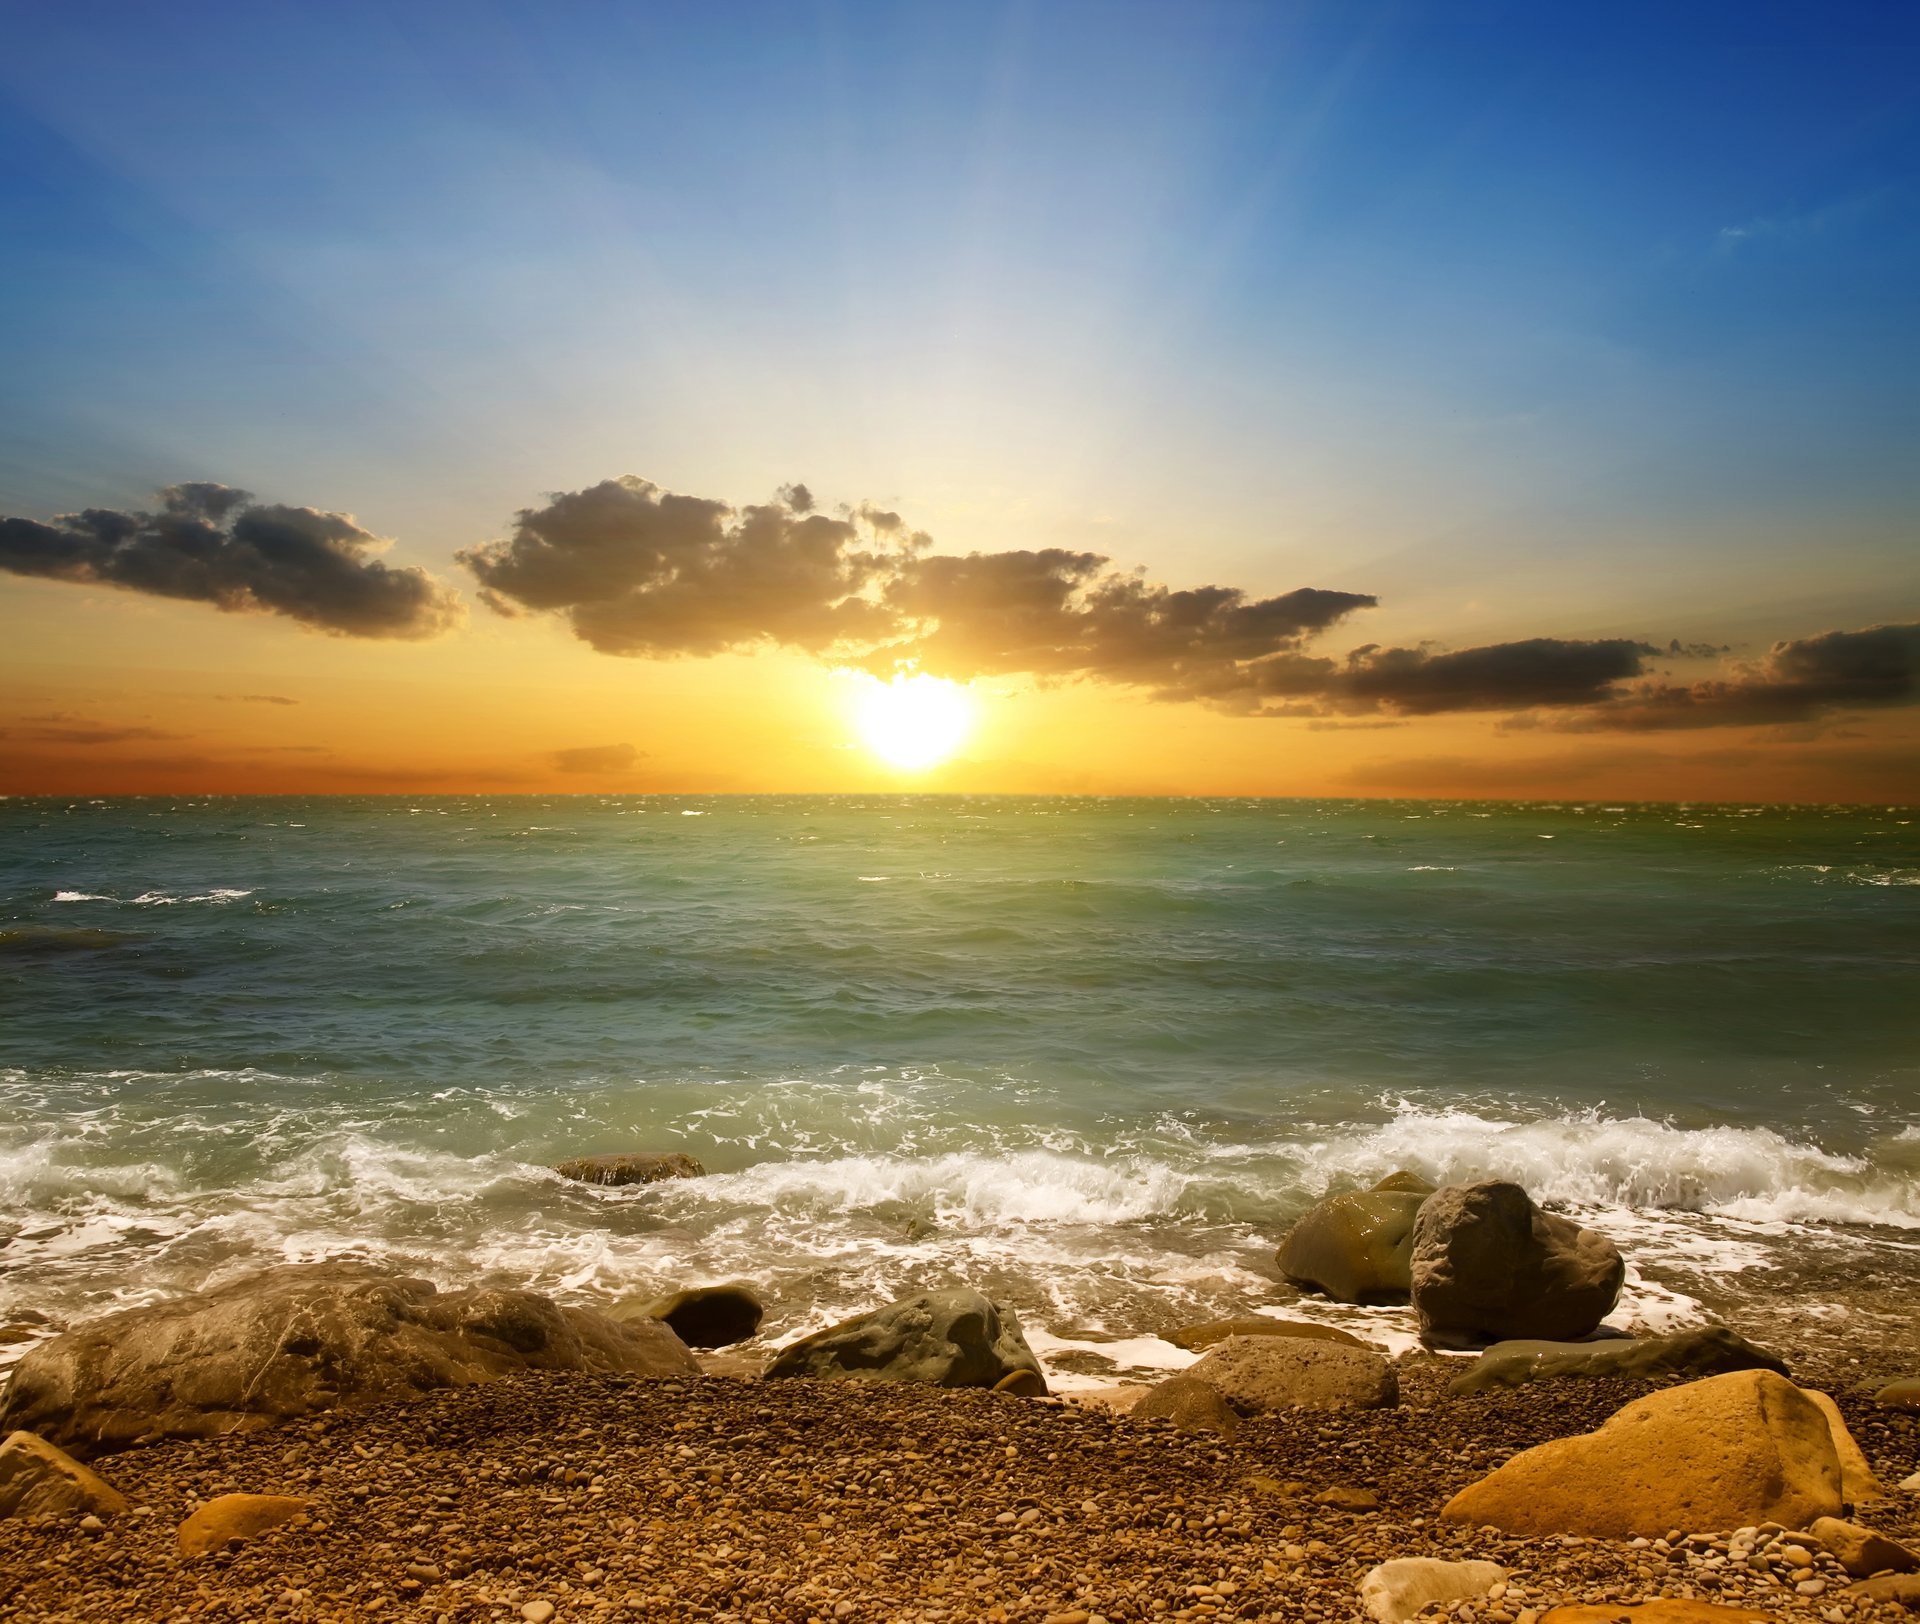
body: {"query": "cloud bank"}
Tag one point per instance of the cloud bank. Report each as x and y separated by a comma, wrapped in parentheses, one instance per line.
(213, 544)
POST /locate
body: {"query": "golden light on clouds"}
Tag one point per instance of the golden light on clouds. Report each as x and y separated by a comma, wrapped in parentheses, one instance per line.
(913, 723)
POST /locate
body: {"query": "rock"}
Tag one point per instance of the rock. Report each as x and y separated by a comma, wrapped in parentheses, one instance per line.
(1196, 1337)
(942, 1338)
(538, 1612)
(1406, 1183)
(1901, 1395)
(1901, 1588)
(1711, 1351)
(1666, 1610)
(1488, 1265)
(1858, 1485)
(1910, 1485)
(703, 1317)
(38, 1480)
(1396, 1591)
(1190, 1404)
(1861, 1551)
(1258, 1373)
(639, 1167)
(1356, 1247)
(301, 1338)
(1727, 1452)
(229, 1517)
(1022, 1384)
(1342, 1498)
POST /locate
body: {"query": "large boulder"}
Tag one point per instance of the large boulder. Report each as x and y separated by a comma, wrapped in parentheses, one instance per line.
(1727, 1452)
(1863, 1552)
(1858, 1485)
(37, 1480)
(1357, 1247)
(1490, 1266)
(635, 1167)
(703, 1317)
(305, 1337)
(1259, 1373)
(953, 1338)
(1709, 1351)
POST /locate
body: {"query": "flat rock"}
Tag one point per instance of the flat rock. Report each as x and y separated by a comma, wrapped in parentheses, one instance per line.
(1901, 1395)
(1396, 1591)
(1356, 1247)
(1260, 1373)
(1727, 1452)
(1666, 1610)
(1710, 1351)
(1858, 1485)
(39, 1480)
(1861, 1551)
(229, 1517)
(1190, 1404)
(1902, 1588)
(1341, 1497)
(953, 1338)
(703, 1316)
(633, 1167)
(1194, 1338)
(302, 1338)
(1488, 1266)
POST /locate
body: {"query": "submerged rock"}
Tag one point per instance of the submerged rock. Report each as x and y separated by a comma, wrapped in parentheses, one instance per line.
(306, 1337)
(1490, 1266)
(1727, 1452)
(1190, 1404)
(38, 1480)
(1259, 1373)
(1356, 1247)
(637, 1167)
(951, 1338)
(1711, 1351)
(1194, 1338)
(704, 1316)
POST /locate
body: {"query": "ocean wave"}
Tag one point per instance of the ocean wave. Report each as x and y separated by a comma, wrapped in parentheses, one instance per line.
(159, 899)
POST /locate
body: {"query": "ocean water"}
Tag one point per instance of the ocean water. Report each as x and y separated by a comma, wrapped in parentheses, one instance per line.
(1093, 1055)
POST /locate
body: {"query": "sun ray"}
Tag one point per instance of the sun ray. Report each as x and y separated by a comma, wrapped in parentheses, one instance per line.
(913, 722)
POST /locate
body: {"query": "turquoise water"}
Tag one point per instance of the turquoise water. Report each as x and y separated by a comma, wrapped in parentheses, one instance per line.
(1093, 1052)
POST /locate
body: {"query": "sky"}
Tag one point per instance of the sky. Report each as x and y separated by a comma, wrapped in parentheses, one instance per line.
(1217, 398)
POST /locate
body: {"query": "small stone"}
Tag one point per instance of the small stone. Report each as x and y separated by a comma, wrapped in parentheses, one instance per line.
(537, 1612)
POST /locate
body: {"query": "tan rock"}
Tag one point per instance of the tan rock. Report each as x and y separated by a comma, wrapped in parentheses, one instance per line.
(235, 1517)
(1861, 1551)
(1396, 1591)
(1727, 1452)
(1667, 1610)
(38, 1480)
(1858, 1485)
(1342, 1498)
(1405, 1183)
(1190, 1404)
(1258, 1373)
(1022, 1384)
(1903, 1588)
(1356, 1247)
(1901, 1395)
(1195, 1338)
(640, 1167)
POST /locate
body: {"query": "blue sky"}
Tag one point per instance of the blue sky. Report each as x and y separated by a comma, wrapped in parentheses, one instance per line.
(1578, 320)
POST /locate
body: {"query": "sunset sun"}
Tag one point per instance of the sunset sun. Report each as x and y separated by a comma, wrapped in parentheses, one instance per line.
(913, 723)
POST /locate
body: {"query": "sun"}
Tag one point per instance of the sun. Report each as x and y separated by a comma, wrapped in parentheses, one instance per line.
(913, 723)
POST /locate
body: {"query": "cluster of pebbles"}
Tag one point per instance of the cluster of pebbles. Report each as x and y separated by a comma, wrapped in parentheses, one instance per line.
(568, 1497)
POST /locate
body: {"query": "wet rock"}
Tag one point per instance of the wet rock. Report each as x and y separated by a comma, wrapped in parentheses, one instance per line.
(294, 1340)
(230, 1517)
(1858, 1485)
(705, 1316)
(1406, 1183)
(638, 1167)
(1710, 1351)
(1901, 1395)
(1190, 1404)
(1489, 1266)
(953, 1338)
(1726, 1452)
(38, 1480)
(1259, 1373)
(1396, 1591)
(1194, 1338)
(1356, 1247)
(1022, 1384)
(1861, 1551)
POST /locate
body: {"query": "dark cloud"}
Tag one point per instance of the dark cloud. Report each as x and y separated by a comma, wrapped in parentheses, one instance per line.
(1534, 672)
(596, 758)
(1799, 681)
(212, 544)
(60, 730)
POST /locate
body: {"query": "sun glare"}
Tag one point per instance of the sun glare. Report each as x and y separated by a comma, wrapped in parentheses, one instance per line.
(913, 723)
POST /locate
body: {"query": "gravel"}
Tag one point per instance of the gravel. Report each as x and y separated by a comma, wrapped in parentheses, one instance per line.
(569, 1497)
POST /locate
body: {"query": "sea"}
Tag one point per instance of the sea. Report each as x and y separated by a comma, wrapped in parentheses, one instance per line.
(1092, 1056)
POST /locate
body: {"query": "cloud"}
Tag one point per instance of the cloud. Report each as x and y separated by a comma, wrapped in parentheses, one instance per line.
(596, 758)
(1799, 681)
(213, 544)
(260, 699)
(60, 731)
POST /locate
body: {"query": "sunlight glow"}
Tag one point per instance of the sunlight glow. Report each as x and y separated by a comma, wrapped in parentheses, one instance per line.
(913, 723)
